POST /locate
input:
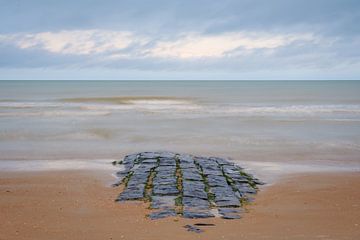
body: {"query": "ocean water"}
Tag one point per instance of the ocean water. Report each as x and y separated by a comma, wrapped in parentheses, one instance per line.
(262, 124)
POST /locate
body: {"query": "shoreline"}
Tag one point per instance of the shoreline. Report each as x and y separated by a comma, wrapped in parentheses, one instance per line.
(80, 204)
(269, 172)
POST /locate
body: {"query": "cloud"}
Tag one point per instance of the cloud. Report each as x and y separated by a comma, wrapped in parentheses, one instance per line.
(118, 44)
(219, 45)
(77, 42)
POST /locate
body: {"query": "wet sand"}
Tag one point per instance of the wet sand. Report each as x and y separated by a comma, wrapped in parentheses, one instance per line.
(80, 205)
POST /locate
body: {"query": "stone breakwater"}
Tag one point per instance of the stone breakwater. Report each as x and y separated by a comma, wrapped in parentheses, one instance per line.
(186, 185)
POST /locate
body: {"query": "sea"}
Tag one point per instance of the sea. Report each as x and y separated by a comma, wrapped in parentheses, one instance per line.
(270, 127)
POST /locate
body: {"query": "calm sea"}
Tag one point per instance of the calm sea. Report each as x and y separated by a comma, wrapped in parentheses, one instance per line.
(263, 124)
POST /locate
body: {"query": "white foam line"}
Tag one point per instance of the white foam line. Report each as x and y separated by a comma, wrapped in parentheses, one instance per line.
(269, 172)
(272, 171)
(56, 165)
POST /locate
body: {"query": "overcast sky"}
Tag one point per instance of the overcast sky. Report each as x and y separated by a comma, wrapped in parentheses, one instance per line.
(184, 39)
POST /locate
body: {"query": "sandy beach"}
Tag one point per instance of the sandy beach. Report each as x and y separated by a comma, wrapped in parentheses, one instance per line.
(80, 205)
(58, 140)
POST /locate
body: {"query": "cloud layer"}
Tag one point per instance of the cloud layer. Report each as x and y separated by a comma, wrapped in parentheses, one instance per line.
(185, 46)
(236, 38)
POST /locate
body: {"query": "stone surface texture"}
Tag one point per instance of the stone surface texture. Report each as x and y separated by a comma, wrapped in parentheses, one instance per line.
(186, 185)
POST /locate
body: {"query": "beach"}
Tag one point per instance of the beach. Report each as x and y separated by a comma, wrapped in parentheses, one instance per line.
(80, 205)
(58, 140)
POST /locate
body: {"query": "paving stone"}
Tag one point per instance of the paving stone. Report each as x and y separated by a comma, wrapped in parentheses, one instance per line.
(231, 169)
(165, 190)
(212, 171)
(230, 210)
(165, 181)
(165, 174)
(217, 181)
(189, 213)
(192, 228)
(221, 161)
(162, 214)
(230, 216)
(167, 154)
(185, 166)
(230, 213)
(185, 157)
(192, 175)
(135, 182)
(139, 176)
(122, 174)
(195, 193)
(133, 193)
(257, 181)
(150, 161)
(245, 188)
(162, 168)
(130, 158)
(194, 189)
(167, 162)
(228, 203)
(241, 180)
(147, 155)
(222, 191)
(225, 197)
(193, 184)
(158, 202)
(197, 203)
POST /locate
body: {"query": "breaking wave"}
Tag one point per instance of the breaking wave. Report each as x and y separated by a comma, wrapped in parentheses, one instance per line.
(165, 105)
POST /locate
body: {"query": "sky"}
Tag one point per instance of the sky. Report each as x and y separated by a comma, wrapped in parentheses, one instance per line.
(180, 39)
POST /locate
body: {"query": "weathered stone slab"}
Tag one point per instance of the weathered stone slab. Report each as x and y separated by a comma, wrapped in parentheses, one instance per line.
(195, 189)
(165, 181)
(149, 155)
(192, 228)
(165, 190)
(225, 197)
(166, 168)
(184, 184)
(152, 161)
(191, 213)
(167, 154)
(245, 188)
(130, 158)
(192, 174)
(230, 213)
(213, 172)
(167, 162)
(198, 203)
(158, 202)
(222, 161)
(162, 214)
(165, 175)
(133, 193)
(216, 181)
(228, 203)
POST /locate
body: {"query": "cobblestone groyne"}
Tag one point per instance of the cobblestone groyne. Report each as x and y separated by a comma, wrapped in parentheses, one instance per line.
(186, 185)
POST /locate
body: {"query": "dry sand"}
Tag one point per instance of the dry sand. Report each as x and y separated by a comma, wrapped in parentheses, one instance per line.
(79, 205)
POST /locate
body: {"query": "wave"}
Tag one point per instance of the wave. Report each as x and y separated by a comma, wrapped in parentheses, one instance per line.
(63, 113)
(109, 104)
(167, 105)
(126, 99)
(56, 165)
(290, 109)
(26, 104)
